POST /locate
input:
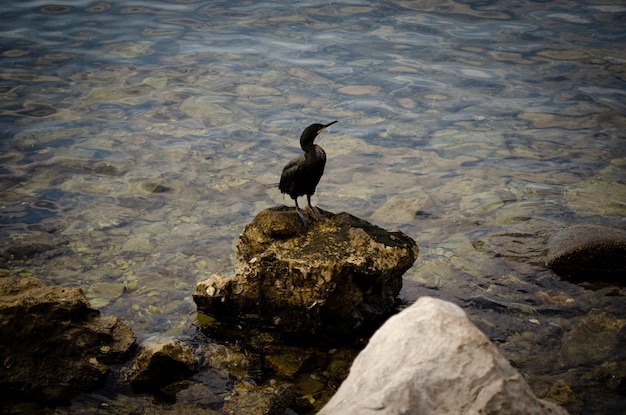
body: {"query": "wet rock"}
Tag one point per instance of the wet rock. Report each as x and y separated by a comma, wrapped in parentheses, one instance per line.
(253, 354)
(592, 340)
(227, 358)
(400, 209)
(196, 396)
(137, 244)
(561, 393)
(430, 359)
(162, 361)
(101, 294)
(54, 345)
(42, 245)
(588, 253)
(339, 276)
(262, 400)
(289, 361)
(606, 376)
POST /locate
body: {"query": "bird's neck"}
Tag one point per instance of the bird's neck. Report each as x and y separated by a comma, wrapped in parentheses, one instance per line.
(308, 147)
(315, 152)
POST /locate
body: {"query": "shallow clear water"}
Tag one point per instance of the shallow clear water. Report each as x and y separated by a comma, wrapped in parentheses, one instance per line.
(138, 139)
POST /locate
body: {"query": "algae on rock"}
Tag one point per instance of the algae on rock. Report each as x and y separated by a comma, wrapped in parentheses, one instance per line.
(340, 276)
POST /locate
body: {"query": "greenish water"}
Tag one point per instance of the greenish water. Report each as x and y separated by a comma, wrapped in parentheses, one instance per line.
(138, 140)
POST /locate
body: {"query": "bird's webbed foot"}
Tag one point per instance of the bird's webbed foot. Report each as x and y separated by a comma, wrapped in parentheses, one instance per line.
(313, 212)
(303, 217)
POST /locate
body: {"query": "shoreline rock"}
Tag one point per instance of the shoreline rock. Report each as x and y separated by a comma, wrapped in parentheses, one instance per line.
(430, 359)
(341, 276)
(54, 345)
(588, 253)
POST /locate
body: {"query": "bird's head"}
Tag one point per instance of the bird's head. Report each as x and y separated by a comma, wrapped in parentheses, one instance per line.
(310, 132)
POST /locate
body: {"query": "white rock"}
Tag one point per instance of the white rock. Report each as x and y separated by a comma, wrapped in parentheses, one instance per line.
(430, 359)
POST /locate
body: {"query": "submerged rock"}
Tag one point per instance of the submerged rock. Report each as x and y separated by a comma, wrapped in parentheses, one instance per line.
(162, 361)
(430, 359)
(341, 275)
(54, 345)
(588, 253)
(246, 398)
(592, 340)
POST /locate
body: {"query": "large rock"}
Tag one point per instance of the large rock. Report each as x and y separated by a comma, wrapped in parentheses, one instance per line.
(588, 253)
(341, 275)
(430, 359)
(54, 345)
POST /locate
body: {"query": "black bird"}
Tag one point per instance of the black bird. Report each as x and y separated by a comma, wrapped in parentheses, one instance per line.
(301, 175)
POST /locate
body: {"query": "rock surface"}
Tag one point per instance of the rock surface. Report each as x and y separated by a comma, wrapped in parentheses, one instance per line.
(430, 359)
(588, 253)
(54, 345)
(261, 400)
(340, 276)
(162, 361)
(594, 340)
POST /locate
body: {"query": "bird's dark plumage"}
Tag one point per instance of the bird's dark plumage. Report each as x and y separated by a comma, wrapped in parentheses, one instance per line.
(301, 175)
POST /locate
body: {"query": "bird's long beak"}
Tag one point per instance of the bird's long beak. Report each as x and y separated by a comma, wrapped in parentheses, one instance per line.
(327, 125)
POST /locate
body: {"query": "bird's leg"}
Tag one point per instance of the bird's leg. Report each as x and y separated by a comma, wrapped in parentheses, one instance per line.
(312, 209)
(300, 213)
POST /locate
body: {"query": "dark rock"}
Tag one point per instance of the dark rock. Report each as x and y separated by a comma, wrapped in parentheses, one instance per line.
(162, 361)
(258, 355)
(340, 276)
(588, 253)
(54, 345)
